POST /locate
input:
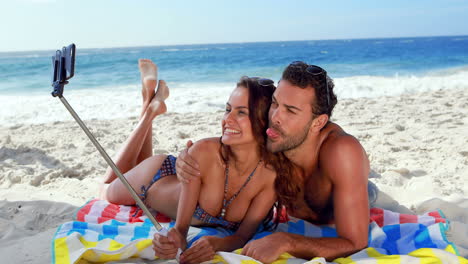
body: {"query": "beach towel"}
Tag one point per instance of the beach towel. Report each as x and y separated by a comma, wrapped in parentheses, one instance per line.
(104, 232)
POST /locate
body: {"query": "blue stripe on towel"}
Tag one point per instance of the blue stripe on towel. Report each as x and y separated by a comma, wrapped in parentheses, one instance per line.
(329, 232)
(406, 243)
(108, 232)
(206, 231)
(141, 232)
(393, 234)
(79, 227)
(117, 223)
(423, 238)
(296, 228)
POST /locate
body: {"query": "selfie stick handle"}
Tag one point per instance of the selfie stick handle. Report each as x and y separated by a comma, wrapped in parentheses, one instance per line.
(160, 228)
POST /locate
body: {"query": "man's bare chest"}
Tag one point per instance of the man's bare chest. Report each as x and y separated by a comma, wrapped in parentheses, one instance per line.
(315, 202)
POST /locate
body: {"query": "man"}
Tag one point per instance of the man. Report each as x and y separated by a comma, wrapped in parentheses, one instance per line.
(332, 165)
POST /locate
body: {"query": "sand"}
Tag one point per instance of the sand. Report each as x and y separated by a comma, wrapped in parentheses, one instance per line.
(417, 145)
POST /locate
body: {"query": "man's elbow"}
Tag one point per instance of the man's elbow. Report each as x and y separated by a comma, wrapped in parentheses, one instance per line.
(360, 244)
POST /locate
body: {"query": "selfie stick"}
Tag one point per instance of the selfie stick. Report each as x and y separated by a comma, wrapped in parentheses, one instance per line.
(159, 227)
(59, 82)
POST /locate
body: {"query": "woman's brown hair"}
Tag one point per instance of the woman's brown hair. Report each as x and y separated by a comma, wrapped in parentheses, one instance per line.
(260, 97)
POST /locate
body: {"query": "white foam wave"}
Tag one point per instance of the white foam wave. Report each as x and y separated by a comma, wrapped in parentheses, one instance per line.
(125, 101)
(375, 86)
(122, 102)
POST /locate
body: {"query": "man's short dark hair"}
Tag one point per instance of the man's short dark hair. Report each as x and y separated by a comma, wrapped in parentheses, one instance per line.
(297, 75)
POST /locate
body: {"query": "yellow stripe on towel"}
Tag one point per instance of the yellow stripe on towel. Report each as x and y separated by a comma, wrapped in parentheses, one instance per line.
(382, 258)
(347, 260)
(86, 243)
(114, 245)
(61, 251)
(141, 245)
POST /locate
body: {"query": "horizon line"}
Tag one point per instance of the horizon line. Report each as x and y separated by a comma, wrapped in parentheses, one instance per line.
(243, 42)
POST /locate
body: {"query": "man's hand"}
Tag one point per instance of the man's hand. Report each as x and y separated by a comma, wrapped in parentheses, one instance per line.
(166, 247)
(267, 249)
(204, 249)
(186, 167)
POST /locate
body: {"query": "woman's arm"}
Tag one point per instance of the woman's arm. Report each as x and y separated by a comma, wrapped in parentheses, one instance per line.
(166, 247)
(189, 194)
(257, 211)
(204, 248)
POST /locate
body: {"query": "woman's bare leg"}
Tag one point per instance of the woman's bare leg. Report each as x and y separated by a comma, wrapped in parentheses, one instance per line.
(138, 146)
(135, 159)
(142, 173)
(163, 195)
(149, 76)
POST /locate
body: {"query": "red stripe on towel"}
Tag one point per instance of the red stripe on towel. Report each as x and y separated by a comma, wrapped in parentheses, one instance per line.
(104, 211)
(437, 216)
(83, 211)
(377, 216)
(406, 218)
(161, 218)
(109, 212)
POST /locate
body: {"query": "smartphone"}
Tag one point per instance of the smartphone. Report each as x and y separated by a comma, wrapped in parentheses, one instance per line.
(63, 64)
(68, 53)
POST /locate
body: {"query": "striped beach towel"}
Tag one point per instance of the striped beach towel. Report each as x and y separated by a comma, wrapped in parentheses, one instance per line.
(104, 232)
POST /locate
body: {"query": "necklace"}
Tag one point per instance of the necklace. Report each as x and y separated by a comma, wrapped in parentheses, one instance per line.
(227, 203)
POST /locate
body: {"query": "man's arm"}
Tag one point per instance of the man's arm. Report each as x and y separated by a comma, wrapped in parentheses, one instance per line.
(346, 164)
(186, 166)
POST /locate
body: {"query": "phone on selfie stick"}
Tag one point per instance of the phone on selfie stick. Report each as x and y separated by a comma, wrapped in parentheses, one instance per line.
(63, 63)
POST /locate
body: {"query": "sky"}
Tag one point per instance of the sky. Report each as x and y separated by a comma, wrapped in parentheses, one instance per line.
(48, 24)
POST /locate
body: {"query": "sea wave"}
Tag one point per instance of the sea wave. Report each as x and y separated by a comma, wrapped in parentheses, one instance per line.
(125, 101)
(375, 86)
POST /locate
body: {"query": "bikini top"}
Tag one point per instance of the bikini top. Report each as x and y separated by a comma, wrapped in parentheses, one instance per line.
(205, 217)
(168, 168)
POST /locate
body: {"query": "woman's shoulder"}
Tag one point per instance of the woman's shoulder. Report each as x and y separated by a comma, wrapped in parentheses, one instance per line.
(269, 173)
(206, 150)
(206, 145)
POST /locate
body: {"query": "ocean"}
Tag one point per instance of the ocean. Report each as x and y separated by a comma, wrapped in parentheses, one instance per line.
(107, 85)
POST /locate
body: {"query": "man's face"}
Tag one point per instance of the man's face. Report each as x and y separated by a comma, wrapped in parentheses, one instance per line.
(290, 117)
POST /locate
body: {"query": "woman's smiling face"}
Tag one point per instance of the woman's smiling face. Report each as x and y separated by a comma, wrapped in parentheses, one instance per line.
(236, 125)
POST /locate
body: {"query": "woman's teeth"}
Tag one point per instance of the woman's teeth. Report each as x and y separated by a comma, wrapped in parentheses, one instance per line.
(231, 131)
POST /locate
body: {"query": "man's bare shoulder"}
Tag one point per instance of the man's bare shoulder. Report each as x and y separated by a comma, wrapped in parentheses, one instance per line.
(341, 153)
(337, 140)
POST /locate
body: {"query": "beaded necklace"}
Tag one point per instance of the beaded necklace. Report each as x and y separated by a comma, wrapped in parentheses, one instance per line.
(227, 203)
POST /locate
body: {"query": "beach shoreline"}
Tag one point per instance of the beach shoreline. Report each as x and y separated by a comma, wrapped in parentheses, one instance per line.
(417, 146)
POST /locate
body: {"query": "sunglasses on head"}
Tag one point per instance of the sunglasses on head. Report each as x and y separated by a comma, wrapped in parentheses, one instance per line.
(263, 81)
(315, 71)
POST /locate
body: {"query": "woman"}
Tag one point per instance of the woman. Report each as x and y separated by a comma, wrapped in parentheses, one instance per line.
(236, 187)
